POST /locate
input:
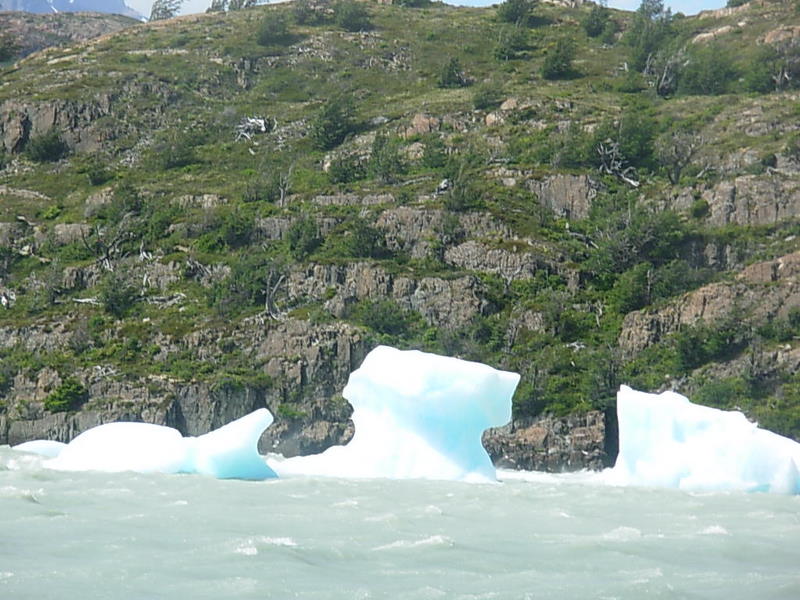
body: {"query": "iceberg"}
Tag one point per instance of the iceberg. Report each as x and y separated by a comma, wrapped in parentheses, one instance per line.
(667, 441)
(230, 452)
(46, 448)
(417, 416)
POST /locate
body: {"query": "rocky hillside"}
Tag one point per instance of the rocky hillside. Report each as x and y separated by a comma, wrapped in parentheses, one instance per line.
(26, 33)
(218, 212)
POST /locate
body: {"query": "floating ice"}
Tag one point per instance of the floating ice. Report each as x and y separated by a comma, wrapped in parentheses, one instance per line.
(666, 441)
(416, 415)
(229, 452)
(46, 448)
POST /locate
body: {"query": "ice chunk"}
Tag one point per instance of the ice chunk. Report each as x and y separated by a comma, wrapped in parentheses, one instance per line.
(666, 441)
(46, 448)
(416, 415)
(227, 453)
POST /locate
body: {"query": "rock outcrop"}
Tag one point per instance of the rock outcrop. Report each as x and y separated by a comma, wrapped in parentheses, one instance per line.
(586, 441)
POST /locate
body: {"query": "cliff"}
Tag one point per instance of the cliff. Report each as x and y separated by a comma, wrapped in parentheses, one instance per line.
(225, 211)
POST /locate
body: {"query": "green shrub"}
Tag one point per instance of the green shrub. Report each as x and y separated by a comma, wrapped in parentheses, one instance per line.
(558, 62)
(434, 152)
(97, 171)
(595, 22)
(710, 71)
(511, 41)
(351, 15)
(333, 123)
(48, 147)
(303, 238)
(385, 162)
(452, 75)
(70, 395)
(515, 11)
(487, 96)
(384, 316)
(346, 168)
(274, 31)
(118, 293)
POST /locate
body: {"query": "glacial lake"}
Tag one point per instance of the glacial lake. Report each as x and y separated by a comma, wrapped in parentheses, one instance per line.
(71, 536)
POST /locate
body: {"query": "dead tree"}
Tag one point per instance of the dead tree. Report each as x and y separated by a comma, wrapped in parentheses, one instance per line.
(612, 162)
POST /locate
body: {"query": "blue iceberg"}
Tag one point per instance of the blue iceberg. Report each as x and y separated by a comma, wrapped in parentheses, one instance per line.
(416, 415)
(230, 452)
(667, 441)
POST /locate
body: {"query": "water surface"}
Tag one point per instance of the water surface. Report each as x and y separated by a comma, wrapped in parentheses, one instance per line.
(130, 536)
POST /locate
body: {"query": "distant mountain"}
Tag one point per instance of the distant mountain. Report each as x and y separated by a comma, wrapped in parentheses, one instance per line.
(117, 7)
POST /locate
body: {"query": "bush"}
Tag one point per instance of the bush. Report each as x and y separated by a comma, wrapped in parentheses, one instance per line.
(558, 62)
(351, 16)
(8, 48)
(595, 22)
(333, 123)
(70, 395)
(710, 71)
(488, 95)
(434, 152)
(384, 162)
(452, 75)
(48, 147)
(384, 316)
(511, 42)
(515, 11)
(274, 31)
(97, 171)
(346, 168)
(118, 294)
(303, 238)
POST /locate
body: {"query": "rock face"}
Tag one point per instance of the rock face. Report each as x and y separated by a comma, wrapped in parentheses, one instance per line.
(763, 291)
(34, 32)
(568, 196)
(570, 443)
(753, 200)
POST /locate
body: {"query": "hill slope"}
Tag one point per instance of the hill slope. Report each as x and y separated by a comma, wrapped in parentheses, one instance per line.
(437, 178)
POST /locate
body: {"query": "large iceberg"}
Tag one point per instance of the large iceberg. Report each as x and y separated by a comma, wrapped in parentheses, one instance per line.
(230, 452)
(416, 415)
(666, 441)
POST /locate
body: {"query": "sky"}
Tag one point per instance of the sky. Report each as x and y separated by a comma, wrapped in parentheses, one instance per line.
(688, 7)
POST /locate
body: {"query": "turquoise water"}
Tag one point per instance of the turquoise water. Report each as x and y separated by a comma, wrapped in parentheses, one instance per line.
(127, 536)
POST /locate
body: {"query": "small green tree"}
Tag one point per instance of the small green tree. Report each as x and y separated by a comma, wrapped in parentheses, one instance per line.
(558, 62)
(351, 15)
(511, 41)
(649, 31)
(710, 71)
(274, 31)
(595, 22)
(8, 48)
(515, 11)
(385, 162)
(486, 96)
(70, 395)
(48, 147)
(303, 238)
(452, 75)
(333, 123)
(346, 168)
(164, 9)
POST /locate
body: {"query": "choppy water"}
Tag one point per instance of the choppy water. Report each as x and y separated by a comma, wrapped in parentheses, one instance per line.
(127, 536)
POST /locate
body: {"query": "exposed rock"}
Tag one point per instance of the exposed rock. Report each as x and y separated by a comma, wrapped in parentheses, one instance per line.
(568, 196)
(510, 265)
(353, 200)
(763, 291)
(753, 200)
(421, 124)
(204, 201)
(554, 444)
